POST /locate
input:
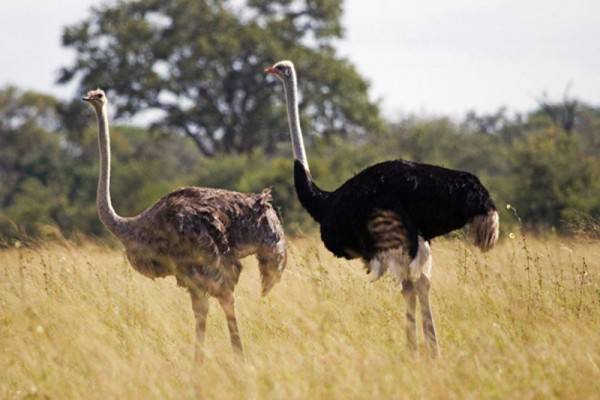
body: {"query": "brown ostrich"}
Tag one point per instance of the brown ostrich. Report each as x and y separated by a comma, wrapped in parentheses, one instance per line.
(196, 234)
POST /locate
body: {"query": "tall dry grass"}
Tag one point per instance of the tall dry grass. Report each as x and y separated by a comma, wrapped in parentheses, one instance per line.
(522, 321)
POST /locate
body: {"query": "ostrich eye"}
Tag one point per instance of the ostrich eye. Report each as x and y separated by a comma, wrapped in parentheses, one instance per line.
(100, 96)
(284, 70)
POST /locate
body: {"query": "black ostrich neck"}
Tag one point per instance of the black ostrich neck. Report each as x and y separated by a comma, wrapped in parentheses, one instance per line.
(313, 199)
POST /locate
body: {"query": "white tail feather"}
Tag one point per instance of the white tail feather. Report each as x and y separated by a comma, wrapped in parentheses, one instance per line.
(484, 230)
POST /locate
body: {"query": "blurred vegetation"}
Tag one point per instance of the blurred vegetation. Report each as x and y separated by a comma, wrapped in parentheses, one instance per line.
(194, 69)
(48, 172)
(198, 65)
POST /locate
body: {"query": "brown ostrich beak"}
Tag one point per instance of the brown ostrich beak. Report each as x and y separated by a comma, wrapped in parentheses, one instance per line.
(86, 98)
(271, 70)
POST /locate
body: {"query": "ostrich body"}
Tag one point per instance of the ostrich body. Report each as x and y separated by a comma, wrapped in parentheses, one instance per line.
(388, 213)
(196, 234)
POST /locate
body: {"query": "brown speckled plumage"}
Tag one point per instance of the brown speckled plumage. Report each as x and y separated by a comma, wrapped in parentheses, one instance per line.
(197, 235)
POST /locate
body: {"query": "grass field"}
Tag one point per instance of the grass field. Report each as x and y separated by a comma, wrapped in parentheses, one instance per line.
(522, 321)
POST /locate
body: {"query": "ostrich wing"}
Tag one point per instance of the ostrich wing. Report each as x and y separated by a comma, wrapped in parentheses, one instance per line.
(430, 201)
(204, 227)
(192, 224)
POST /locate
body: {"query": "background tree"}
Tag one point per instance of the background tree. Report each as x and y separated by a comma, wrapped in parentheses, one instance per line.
(48, 173)
(563, 114)
(556, 182)
(199, 65)
(49, 165)
(30, 154)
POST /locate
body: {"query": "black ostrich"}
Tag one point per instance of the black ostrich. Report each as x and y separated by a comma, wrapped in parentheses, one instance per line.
(388, 213)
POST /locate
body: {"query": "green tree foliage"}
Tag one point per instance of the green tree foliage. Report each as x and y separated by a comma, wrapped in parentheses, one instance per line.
(198, 64)
(49, 169)
(557, 181)
(48, 174)
(30, 153)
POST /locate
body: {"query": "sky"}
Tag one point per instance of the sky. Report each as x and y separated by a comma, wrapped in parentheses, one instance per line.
(431, 57)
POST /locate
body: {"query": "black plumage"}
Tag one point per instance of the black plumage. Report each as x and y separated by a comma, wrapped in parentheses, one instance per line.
(388, 213)
(424, 200)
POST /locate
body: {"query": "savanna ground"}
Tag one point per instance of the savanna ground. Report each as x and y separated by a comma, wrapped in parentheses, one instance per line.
(522, 321)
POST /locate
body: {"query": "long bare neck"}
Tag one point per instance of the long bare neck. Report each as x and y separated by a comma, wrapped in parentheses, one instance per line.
(291, 97)
(312, 198)
(113, 222)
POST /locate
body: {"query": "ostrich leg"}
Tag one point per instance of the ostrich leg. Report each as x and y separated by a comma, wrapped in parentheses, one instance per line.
(423, 285)
(228, 304)
(200, 307)
(408, 291)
